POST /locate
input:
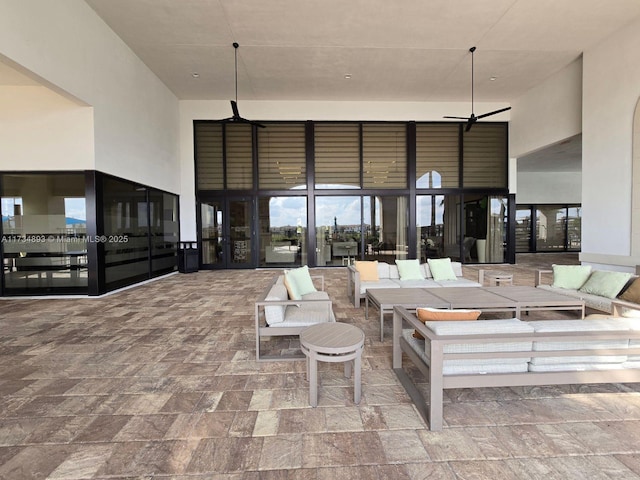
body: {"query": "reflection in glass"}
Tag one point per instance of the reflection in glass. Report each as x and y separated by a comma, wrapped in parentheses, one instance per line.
(212, 221)
(126, 227)
(523, 229)
(551, 231)
(240, 231)
(283, 230)
(430, 222)
(485, 229)
(385, 221)
(338, 235)
(44, 225)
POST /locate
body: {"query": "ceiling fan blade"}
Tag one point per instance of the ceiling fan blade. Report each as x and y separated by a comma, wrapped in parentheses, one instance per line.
(234, 107)
(472, 119)
(457, 118)
(494, 112)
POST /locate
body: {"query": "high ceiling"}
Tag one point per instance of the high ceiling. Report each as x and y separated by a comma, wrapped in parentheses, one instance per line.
(408, 50)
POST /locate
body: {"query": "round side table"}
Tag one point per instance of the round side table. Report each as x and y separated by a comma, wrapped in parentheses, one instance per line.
(332, 342)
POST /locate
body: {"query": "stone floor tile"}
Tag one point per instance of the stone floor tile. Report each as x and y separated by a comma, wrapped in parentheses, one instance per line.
(403, 446)
(160, 382)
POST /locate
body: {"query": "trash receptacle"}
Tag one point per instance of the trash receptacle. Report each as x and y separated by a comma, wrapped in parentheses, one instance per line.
(188, 257)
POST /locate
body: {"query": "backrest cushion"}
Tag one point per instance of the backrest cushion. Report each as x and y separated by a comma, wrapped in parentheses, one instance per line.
(427, 314)
(383, 270)
(605, 283)
(441, 269)
(298, 282)
(368, 270)
(570, 276)
(394, 274)
(409, 269)
(632, 292)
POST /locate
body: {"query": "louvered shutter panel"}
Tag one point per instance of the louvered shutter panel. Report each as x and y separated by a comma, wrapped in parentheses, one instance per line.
(281, 156)
(384, 151)
(485, 156)
(337, 155)
(437, 156)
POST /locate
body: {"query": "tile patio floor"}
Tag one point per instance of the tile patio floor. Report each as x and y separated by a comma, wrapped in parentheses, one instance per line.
(160, 382)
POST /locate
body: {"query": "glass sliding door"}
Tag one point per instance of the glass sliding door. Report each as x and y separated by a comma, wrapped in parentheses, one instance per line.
(283, 231)
(385, 222)
(226, 233)
(430, 226)
(212, 219)
(485, 234)
(338, 222)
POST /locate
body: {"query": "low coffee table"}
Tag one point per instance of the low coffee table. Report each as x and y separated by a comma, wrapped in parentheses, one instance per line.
(532, 298)
(332, 342)
(386, 298)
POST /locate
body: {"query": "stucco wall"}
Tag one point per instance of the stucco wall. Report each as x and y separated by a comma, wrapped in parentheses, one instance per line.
(41, 130)
(135, 116)
(611, 89)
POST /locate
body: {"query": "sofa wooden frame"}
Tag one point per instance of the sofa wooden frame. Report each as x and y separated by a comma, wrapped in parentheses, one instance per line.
(432, 411)
(263, 330)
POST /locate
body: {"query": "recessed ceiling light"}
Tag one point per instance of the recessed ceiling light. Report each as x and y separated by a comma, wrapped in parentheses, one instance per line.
(493, 79)
(347, 76)
(195, 74)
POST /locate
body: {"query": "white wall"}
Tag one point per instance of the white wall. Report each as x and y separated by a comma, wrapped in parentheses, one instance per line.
(41, 130)
(611, 89)
(546, 187)
(191, 110)
(548, 113)
(135, 115)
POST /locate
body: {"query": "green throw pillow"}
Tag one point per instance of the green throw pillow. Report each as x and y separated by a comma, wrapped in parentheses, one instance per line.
(299, 282)
(441, 269)
(409, 269)
(606, 284)
(570, 276)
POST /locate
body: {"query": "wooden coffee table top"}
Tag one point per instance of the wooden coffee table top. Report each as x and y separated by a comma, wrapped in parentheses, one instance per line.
(472, 297)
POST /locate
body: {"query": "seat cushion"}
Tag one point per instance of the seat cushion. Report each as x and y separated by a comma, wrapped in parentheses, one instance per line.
(579, 326)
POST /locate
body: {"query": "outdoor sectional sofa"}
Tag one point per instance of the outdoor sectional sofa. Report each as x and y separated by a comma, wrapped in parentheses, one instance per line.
(510, 352)
(389, 276)
(598, 288)
(277, 314)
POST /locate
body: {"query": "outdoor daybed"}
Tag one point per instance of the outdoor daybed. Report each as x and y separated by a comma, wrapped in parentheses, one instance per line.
(598, 288)
(286, 308)
(505, 353)
(441, 272)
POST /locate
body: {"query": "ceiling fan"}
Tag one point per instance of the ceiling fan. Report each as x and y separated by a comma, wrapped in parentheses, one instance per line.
(234, 103)
(473, 118)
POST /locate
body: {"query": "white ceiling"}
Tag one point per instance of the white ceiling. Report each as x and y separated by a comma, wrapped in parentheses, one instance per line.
(408, 50)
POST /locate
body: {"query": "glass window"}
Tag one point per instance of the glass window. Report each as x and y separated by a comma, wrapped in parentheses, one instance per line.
(44, 233)
(164, 226)
(437, 155)
(386, 220)
(126, 228)
(338, 222)
(430, 222)
(282, 156)
(485, 233)
(384, 152)
(574, 228)
(283, 231)
(337, 155)
(550, 228)
(523, 229)
(485, 156)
